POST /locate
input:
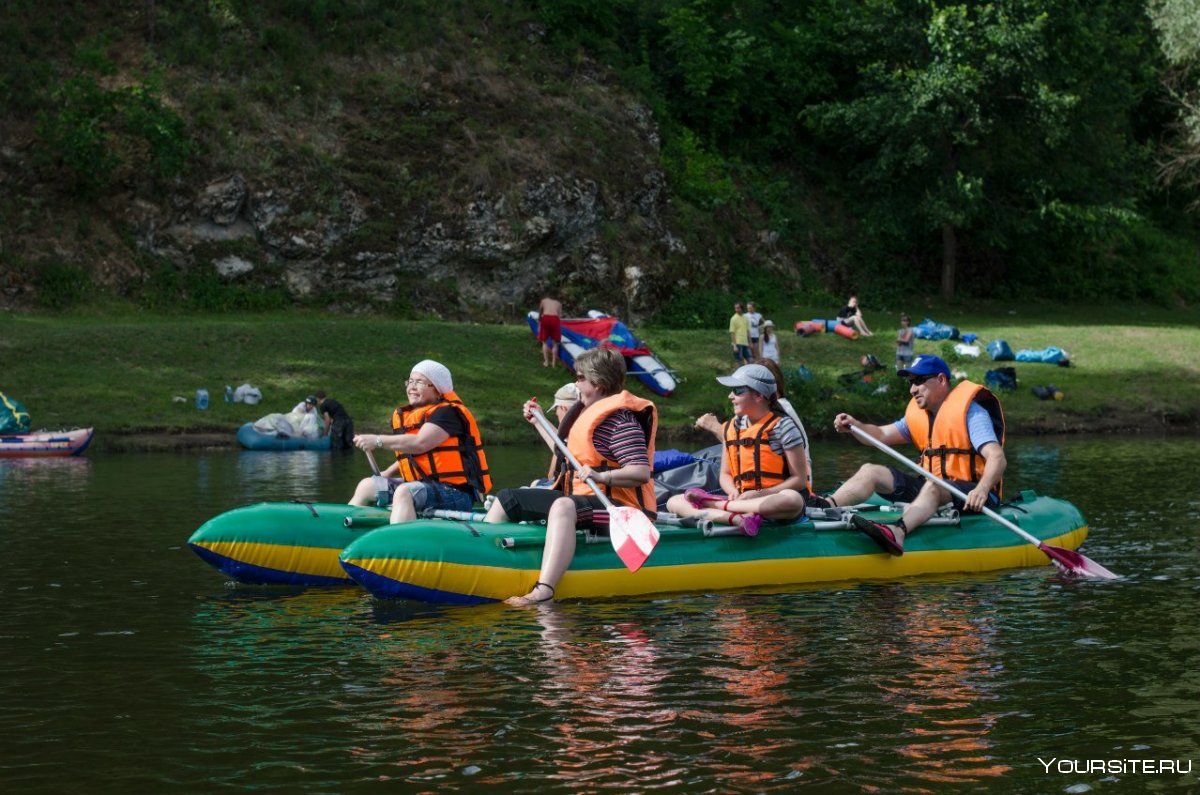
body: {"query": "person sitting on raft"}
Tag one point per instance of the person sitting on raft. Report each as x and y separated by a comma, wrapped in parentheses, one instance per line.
(960, 433)
(440, 461)
(764, 469)
(566, 397)
(709, 422)
(611, 433)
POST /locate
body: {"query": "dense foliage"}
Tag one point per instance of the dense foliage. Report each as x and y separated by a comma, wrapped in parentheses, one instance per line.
(1003, 148)
(893, 147)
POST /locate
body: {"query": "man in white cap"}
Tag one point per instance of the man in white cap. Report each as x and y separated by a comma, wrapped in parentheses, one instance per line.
(959, 431)
(764, 471)
(440, 461)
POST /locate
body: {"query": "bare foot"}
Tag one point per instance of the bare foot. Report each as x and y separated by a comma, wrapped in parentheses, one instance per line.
(541, 592)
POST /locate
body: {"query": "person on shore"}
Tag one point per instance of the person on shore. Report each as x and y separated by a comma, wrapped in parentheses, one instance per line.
(440, 461)
(904, 343)
(611, 433)
(769, 343)
(564, 399)
(755, 319)
(739, 335)
(851, 315)
(550, 330)
(764, 469)
(338, 425)
(959, 432)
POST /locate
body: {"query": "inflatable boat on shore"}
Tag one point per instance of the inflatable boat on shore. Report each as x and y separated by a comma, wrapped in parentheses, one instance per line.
(254, 440)
(582, 334)
(45, 443)
(470, 562)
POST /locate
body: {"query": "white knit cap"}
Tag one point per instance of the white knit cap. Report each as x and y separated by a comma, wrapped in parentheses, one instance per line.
(437, 374)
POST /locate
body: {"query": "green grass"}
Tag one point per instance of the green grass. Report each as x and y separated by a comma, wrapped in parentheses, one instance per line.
(1134, 368)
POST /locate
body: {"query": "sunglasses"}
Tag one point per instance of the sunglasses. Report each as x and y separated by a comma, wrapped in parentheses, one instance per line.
(417, 382)
(740, 390)
(917, 380)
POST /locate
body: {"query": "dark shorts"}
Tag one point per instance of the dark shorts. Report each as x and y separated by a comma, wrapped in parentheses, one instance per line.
(743, 354)
(549, 328)
(907, 485)
(533, 505)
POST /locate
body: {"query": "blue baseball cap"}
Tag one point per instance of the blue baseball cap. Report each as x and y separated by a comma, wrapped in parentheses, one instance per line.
(926, 365)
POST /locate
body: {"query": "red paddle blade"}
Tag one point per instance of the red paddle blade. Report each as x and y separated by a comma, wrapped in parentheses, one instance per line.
(632, 534)
(1069, 562)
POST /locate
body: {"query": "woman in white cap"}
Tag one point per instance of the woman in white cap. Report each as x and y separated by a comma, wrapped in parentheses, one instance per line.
(764, 469)
(440, 462)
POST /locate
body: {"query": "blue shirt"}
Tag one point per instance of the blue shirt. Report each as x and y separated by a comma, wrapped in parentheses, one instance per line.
(979, 427)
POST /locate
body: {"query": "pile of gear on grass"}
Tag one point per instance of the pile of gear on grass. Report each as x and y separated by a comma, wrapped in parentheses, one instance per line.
(956, 347)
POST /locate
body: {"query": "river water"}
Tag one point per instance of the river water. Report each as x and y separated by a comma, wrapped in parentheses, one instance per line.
(131, 666)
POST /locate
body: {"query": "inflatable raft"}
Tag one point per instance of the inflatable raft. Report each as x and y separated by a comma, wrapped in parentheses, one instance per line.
(470, 562)
(253, 440)
(45, 443)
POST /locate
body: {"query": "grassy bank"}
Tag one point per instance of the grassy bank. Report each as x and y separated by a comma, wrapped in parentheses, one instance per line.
(1133, 369)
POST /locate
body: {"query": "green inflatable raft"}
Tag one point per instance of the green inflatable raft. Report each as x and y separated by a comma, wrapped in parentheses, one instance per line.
(471, 562)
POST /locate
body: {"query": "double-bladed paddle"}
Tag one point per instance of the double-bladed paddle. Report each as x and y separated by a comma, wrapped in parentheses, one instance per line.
(1067, 561)
(631, 532)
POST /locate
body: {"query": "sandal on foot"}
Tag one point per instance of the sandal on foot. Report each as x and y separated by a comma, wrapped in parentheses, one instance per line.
(750, 522)
(698, 497)
(529, 599)
(881, 534)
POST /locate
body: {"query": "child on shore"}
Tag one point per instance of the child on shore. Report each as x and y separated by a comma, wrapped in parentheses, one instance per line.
(904, 343)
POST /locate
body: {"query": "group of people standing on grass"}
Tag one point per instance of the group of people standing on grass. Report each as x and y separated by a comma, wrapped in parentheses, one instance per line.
(765, 471)
(750, 336)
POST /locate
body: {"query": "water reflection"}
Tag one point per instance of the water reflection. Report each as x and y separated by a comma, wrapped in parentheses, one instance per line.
(858, 687)
(289, 474)
(68, 474)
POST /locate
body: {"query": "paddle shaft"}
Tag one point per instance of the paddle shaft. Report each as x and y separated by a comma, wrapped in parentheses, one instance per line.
(957, 492)
(562, 447)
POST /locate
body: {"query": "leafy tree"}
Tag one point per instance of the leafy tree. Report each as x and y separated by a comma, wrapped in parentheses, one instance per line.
(1178, 25)
(937, 86)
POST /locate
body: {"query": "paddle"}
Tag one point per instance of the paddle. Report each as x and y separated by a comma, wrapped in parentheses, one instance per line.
(631, 532)
(1068, 561)
(381, 483)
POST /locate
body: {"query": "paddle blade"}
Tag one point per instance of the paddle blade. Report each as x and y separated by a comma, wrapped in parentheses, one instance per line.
(632, 534)
(1075, 564)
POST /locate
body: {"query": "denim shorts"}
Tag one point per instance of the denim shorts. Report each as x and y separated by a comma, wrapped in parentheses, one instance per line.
(433, 494)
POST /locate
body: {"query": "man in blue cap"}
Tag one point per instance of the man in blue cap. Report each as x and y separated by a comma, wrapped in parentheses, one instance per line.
(959, 431)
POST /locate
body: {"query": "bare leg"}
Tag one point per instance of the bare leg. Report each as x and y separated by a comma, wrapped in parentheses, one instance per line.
(919, 510)
(364, 493)
(556, 557)
(869, 479)
(403, 508)
(496, 514)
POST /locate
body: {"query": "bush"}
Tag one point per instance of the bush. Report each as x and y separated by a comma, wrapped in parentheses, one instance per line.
(61, 285)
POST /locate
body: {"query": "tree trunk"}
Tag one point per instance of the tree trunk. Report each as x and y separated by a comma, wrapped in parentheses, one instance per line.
(949, 238)
(949, 260)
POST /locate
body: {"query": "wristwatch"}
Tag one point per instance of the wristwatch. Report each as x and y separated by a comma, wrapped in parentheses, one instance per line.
(378, 441)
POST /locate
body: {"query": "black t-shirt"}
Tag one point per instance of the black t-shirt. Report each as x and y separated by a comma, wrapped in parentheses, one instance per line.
(449, 420)
(334, 410)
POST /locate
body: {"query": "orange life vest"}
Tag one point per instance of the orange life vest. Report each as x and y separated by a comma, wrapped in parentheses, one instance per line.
(579, 442)
(459, 461)
(752, 462)
(949, 454)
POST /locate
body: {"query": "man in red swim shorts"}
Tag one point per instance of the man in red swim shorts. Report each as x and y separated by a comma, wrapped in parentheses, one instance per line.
(549, 330)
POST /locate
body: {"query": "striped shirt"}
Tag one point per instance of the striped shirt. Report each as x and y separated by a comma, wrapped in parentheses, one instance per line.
(619, 437)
